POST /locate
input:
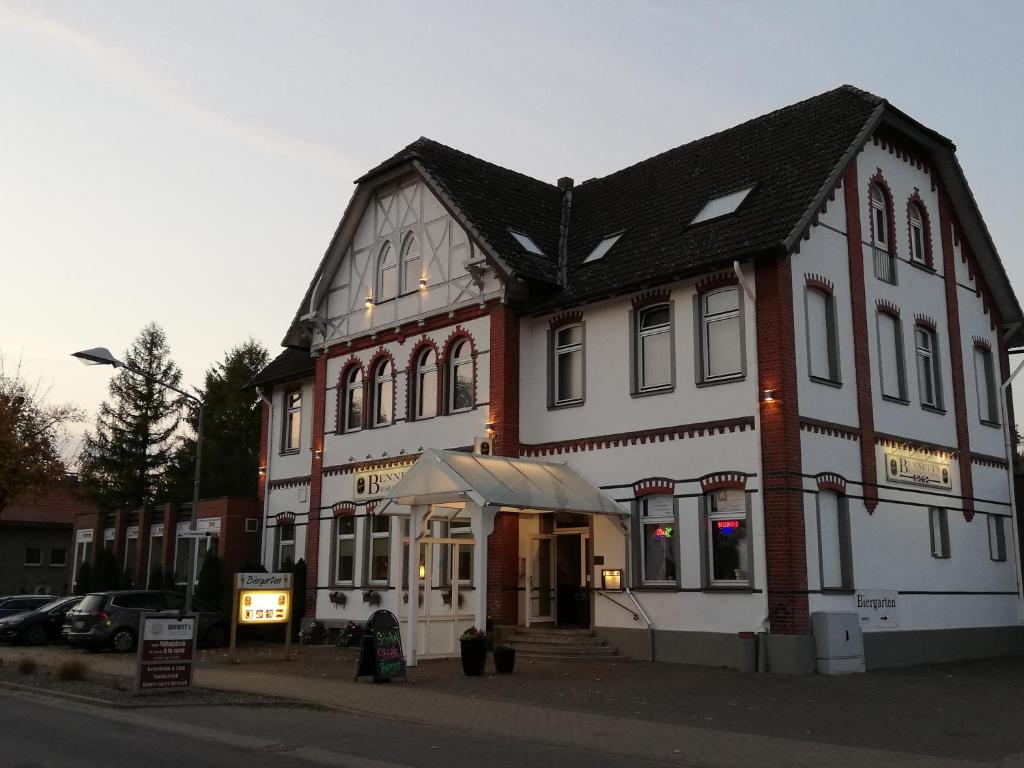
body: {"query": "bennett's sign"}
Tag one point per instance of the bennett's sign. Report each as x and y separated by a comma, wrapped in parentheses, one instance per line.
(166, 648)
(917, 469)
(377, 483)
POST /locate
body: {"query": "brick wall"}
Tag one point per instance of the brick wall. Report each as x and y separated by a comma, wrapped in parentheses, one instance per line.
(316, 484)
(503, 543)
(261, 482)
(780, 448)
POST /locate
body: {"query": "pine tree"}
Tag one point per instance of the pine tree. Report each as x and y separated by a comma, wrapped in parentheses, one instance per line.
(124, 463)
(231, 431)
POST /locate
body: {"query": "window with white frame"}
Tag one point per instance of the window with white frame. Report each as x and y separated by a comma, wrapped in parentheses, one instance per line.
(156, 548)
(379, 527)
(721, 335)
(344, 549)
(83, 555)
(352, 416)
(383, 393)
(206, 546)
(938, 528)
(411, 264)
(387, 274)
(654, 362)
(917, 241)
(822, 337)
(182, 553)
(834, 541)
(985, 380)
(996, 538)
(659, 540)
(884, 256)
(292, 432)
(425, 384)
(460, 377)
(567, 365)
(285, 555)
(454, 559)
(890, 353)
(131, 544)
(929, 382)
(728, 548)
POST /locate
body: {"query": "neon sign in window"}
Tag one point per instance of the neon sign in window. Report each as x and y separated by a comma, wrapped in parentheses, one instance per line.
(727, 525)
(663, 532)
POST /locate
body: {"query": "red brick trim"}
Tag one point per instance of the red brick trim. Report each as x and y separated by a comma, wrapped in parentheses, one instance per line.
(654, 486)
(565, 318)
(289, 482)
(412, 379)
(720, 280)
(879, 180)
(831, 481)
(717, 481)
(783, 505)
(412, 328)
(985, 460)
(652, 298)
(640, 437)
(899, 147)
(343, 508)
(981, 343)
(284, 518)
(371, 507)
(829, 428)
(915, 201)
(361, 466)
(453, 338)
(342, 389)
(861, 355)
(316, 485)
(956, 362)
(916, 446)
(819, 283)
(925, 322)
(370, 389)
(887, 308)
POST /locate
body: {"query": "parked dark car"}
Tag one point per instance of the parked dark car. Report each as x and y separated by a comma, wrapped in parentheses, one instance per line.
(111, 619)
(11, 604)
(43, 625)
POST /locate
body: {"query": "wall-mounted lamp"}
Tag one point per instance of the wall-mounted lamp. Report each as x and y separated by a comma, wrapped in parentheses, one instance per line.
(423, 283)
(611, 578)
(768, 396)
(318, 453)
(423, 571)
(263, 471)
(369, 302)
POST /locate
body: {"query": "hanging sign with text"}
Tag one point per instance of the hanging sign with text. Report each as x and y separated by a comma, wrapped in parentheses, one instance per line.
(917, 469)
(377, 483)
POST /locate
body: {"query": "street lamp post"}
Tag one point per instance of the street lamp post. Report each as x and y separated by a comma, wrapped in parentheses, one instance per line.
(102, 356)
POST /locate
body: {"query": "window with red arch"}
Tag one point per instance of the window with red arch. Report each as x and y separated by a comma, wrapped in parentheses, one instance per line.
(460, 375)
(423, 381)
(350, 399)
(382, 392)
(880, 218)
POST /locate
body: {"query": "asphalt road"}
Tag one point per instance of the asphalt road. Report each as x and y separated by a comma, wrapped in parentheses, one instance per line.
(38, 731)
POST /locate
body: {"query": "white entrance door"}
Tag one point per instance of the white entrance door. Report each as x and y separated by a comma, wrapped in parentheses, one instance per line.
(540, 582)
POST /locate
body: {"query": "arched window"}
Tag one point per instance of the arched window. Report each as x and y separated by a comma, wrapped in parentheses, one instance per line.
(881, 233)
(425, 384)
(387, 274)
(879, 217)
(383, 393)
(411, 264)
(352, 417)
(460, 377)
(917, 253)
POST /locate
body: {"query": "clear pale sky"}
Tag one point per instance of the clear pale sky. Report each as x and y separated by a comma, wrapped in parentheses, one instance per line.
(188, 162)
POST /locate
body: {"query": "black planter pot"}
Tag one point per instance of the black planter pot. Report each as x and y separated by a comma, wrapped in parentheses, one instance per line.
(474, 656)
(504, 660)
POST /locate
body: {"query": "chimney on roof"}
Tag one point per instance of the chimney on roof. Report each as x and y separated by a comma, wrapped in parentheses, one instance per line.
(565, 183)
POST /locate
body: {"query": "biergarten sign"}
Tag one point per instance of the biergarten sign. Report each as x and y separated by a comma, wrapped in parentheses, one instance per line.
(380, 654)
(262, 598)
(167, 644)
(917, 469)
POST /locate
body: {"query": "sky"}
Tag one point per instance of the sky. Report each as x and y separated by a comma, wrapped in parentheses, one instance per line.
(187, 163)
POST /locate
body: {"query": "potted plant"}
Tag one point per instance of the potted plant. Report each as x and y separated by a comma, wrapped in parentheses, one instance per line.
(473, 646)
(504, 659)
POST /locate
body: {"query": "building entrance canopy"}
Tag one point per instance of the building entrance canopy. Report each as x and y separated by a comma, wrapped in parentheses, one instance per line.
(505, 484)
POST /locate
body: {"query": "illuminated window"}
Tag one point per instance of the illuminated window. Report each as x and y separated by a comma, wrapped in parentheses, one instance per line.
(729, 552)
(659, 548)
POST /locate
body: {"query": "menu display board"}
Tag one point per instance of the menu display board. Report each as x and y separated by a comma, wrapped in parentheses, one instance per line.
(381, 652)
(167, 645)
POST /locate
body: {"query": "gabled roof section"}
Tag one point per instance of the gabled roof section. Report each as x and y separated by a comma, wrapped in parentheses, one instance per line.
(494, 200)
(292, 364)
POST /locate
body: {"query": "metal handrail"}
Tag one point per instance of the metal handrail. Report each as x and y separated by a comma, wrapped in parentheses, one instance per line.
(638, 614)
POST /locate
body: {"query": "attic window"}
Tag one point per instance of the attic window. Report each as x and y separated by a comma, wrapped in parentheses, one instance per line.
(527, 244)
(602, 248)
(722, 205)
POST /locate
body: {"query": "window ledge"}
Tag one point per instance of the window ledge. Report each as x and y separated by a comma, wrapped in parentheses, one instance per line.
(897, 400)
(923, 267)
(290, 452)
(723, 380)
(993, 424)
(653, 391)
(567, 404)
(932, 408)
(838, 591)
(651, 588)
(940, 557)
(738, 590)
(826, 382)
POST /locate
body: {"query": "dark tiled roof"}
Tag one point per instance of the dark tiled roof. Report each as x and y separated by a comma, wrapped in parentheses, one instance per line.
(293, 363)
(494, 200)
(56, 506)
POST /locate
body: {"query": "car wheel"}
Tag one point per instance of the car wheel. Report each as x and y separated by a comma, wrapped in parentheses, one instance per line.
(216, 636)
(34, 635)
(123, 640)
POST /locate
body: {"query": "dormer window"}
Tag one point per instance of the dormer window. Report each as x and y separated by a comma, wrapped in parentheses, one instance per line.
(602, 248)
(526, 243)
(722, 205)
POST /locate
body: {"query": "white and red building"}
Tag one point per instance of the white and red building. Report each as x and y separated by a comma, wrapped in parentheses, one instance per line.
(780, 348)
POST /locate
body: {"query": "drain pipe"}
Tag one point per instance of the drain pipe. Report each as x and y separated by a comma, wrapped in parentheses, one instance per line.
(1008, 443)
(266, 472)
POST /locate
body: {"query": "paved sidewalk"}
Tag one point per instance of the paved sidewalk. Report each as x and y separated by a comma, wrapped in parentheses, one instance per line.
(947, 715)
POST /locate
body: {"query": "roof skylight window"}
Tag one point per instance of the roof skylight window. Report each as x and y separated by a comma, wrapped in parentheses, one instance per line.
(603, 247)
(722, 205)
(526, 243)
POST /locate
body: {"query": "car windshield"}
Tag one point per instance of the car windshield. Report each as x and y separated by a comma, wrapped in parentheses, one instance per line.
(92, 603)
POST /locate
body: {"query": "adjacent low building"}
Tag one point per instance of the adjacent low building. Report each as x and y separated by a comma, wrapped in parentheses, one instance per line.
(780, 350)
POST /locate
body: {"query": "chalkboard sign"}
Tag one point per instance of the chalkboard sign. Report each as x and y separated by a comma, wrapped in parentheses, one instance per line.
(381, 654)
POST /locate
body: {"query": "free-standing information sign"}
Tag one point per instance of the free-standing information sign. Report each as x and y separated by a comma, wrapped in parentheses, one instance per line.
(381, 652)
(167, 645)
(262, 598)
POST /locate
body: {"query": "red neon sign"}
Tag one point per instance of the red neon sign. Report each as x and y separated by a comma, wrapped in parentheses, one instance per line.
(727, 525)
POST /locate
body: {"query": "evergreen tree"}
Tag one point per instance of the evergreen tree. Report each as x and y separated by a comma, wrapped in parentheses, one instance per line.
(231, 429)
(124, 463)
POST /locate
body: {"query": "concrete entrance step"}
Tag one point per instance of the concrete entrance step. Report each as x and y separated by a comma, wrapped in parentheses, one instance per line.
(550, 629)
(555, 639)
(565, 649)
(552, 656)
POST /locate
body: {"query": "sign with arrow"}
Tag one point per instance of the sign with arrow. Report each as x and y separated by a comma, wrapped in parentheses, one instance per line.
(878, 609)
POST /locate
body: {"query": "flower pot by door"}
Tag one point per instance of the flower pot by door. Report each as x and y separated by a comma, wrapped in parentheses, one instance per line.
(474, 656)
(504, 660)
